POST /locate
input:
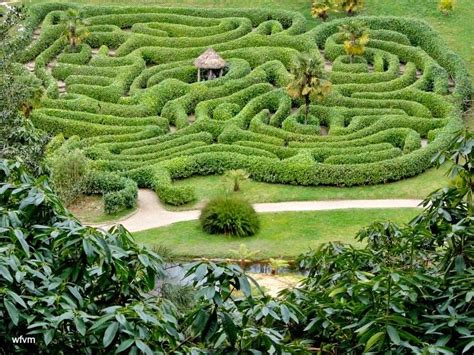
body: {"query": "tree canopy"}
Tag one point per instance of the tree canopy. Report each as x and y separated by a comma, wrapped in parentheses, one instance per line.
(409, 289)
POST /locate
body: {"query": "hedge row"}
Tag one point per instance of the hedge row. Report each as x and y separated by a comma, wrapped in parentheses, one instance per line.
(119, 192)
(141, 113)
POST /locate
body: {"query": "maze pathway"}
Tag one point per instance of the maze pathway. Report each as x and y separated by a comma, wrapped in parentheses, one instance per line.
(131, 96)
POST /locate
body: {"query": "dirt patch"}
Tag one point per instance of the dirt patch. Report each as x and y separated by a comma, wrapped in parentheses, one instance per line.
(403, 68)
(37, 33)
(61, 87)
(324, 131)
(30, 66)
(89, 209)
(451, 85)
(86, 207)
(327, 65)
(52, 64)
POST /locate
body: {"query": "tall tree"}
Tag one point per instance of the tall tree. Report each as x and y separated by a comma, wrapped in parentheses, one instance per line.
(356, 37)
(75, 28)
(18, 92)
(350, 6)
(320, 8)
(308, 82)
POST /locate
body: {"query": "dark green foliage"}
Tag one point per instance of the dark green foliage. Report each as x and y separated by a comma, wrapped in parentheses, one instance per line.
(19, 93)
(75, 288)
(119, 192)
(229, 215)
(69, 286)
(246, 321)
(409, 290)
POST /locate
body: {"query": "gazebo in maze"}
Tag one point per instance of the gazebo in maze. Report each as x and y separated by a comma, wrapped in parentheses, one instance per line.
(211, 62)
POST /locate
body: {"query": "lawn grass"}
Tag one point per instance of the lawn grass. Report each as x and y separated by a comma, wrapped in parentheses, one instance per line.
(207, 187)
(283, 235)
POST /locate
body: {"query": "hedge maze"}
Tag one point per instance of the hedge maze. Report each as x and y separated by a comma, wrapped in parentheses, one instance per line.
(130, 98)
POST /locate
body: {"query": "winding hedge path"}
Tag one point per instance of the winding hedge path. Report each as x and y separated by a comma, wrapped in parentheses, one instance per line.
(152, 214)
(129, 97)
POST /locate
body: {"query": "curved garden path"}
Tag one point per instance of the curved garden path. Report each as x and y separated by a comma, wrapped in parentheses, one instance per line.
(152, 214)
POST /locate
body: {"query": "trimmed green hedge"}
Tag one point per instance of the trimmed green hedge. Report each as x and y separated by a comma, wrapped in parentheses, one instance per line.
(119, 192)
(132, 96)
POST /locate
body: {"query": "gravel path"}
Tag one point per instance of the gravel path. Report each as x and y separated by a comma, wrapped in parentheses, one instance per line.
(152, 214)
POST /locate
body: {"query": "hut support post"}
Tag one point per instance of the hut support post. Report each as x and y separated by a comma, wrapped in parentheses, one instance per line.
(221, 72)
(199, 74)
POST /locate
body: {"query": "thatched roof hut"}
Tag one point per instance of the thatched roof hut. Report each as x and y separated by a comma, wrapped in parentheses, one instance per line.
(210, 61)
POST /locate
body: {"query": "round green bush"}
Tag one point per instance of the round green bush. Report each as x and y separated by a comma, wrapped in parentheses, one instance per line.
(231, 216)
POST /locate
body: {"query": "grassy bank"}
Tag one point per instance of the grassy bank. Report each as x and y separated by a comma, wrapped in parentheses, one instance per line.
(207, 187)
(284, 235)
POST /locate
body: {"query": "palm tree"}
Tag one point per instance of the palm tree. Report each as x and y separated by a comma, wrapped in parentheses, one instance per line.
(32, 101)
(74, 27)
(350, 6)
(276, 264)
(244, 254)
(236, 177)
(356, 37)
(320, 8)
(308, 81)
(446, 6)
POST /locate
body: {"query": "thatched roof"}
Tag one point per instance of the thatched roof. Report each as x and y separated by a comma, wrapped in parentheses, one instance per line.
(210, 60)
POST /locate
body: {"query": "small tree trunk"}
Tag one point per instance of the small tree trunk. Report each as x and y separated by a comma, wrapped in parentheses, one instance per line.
(352, 58)
(73, 39)
(306, 113)
(350, 13)
(28, 110)
(236, 186)
(323, 16)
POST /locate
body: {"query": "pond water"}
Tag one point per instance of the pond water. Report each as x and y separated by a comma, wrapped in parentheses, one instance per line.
(176, 271)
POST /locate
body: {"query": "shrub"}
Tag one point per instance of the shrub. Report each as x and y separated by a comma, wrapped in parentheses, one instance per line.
(320, 8)
(69, 173)
(446, 6)
(102, 275)
(230, 216)
(349, 6)
(236, 177)
(119, 192)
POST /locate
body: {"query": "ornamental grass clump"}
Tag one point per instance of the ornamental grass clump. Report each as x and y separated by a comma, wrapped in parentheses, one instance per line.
(229, 215)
